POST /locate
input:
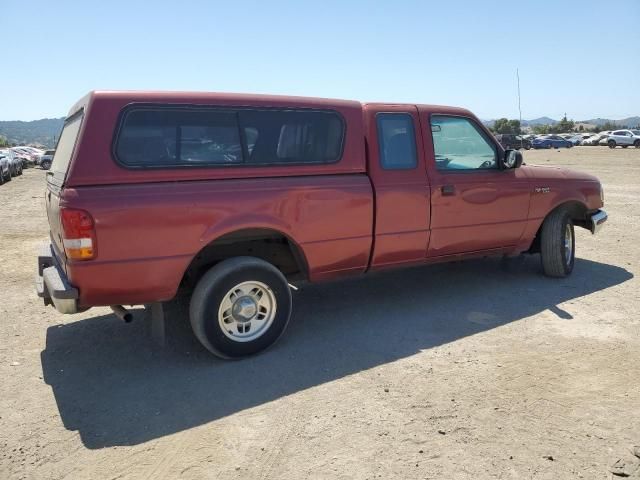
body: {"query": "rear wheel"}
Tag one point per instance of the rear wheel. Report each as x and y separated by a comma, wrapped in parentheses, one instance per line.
(611, 143)
(240, 307)
(557, 244)
(46, 164)
(636, 144)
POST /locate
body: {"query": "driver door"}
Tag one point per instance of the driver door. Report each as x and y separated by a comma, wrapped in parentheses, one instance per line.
(476, 204)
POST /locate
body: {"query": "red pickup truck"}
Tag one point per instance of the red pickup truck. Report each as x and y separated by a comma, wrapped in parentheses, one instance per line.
(241, 196)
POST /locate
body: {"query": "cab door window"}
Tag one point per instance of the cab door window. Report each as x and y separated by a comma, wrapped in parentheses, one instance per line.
(459, 144)
(396, 141)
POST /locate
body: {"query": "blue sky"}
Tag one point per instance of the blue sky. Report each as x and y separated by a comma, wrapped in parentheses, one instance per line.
(578, 57)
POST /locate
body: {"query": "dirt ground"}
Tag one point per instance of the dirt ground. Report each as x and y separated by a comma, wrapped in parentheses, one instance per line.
(467, 370)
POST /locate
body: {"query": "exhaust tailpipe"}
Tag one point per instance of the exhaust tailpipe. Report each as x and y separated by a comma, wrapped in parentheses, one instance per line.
(122, 313)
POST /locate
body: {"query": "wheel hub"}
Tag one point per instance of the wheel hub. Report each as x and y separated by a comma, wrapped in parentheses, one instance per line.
(247, 311)
(244, 309)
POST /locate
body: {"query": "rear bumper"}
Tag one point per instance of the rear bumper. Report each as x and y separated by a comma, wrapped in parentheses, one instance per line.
(597, 220)
(52, 284)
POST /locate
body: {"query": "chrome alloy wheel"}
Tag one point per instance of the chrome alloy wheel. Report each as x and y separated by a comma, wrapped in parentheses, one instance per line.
(568, 244)
(247, 311)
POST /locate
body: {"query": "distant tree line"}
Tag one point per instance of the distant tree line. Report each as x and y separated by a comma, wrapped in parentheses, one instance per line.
(504, 125)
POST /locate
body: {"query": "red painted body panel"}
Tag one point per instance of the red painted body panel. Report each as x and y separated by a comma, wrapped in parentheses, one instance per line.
(149, 233)
(345, 217)
(402, 215)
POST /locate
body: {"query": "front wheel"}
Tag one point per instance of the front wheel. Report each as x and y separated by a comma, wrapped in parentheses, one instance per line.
(557, 245)
(549, 146)
(636, 144)
(611, 143)
(240, 307)
(46, 165)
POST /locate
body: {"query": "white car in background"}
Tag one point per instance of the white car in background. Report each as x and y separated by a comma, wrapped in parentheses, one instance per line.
(623, 138)
(593, 139)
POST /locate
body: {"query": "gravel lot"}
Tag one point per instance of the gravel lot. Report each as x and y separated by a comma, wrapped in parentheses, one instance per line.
(467, 370)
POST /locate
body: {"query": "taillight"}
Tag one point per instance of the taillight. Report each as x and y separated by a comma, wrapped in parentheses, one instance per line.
(79, 234)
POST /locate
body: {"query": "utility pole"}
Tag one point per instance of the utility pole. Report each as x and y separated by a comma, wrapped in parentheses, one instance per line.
(519, 107)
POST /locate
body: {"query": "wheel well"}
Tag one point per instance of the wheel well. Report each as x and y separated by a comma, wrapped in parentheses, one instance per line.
(269, 245)
(578, 213)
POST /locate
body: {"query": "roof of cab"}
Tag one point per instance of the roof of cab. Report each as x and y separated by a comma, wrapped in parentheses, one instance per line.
(248, 99)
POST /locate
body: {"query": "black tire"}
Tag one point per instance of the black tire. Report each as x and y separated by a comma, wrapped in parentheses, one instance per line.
(46, 165)
(214, 286)
(527, 147)
(1, 177)
(611, 143)
(624, 146)
(636, 144)
(550, 146)
(553, 253)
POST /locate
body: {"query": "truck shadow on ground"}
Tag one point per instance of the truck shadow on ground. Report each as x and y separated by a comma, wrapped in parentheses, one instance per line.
(115, 387)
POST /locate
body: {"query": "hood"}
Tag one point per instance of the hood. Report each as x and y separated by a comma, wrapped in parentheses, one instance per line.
(544, 172)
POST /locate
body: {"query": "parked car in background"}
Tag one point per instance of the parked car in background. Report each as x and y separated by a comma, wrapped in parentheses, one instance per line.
(509, 140)
(604, 136)
(593, 139)
(551, 141)
(28, 157)
(45, 159)
(15, 162)
(5, 169)
(623, 138)
(575, 140)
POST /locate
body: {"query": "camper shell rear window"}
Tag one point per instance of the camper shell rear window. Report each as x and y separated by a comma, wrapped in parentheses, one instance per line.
(154, 136)
(66, 144)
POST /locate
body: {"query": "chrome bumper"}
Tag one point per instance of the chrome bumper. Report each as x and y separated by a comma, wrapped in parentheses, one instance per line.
(597, 220)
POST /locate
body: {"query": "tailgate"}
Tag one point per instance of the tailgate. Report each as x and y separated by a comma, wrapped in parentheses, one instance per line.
(56, 176)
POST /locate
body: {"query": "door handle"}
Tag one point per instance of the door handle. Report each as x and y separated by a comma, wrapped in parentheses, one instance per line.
(448, 190)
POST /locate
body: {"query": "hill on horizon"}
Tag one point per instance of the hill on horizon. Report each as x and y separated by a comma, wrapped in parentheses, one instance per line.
(43, 132)
(630, 122)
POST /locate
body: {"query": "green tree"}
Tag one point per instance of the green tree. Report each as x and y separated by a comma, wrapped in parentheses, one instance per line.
(607, 126)
(503, 125)
(564, 125)
(541, 129)
(3, 142)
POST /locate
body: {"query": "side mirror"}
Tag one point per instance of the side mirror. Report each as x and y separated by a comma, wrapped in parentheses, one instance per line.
(512, 159)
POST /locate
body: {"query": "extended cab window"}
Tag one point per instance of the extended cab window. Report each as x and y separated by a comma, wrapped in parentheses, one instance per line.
(396, 141)
(173, 137)
(459, 144)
